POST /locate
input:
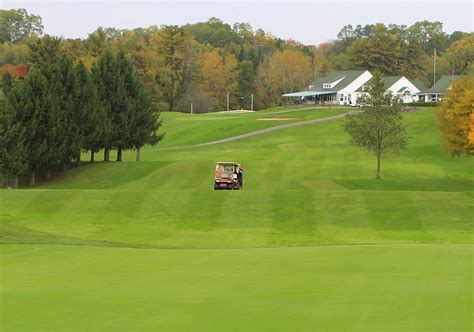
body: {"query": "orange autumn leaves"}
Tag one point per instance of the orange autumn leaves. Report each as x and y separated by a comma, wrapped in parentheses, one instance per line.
(16, 71)
(283, 72)
(219, 73)
(456, 117)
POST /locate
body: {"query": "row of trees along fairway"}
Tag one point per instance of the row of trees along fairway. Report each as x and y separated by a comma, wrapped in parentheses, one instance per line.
(61, 109)
(202, 63)
(378, 126)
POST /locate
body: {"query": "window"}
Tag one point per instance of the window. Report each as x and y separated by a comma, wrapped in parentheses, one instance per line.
(326, 85)
(342, 98)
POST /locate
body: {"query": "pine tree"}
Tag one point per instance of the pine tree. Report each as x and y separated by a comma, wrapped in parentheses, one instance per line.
(126, 94)
(246, 79)
(13, 153)
(30, 106)
(67, 139)
(89, 113)
(45, 50)
(120, 91)
(104, 73)
(145, 123)
(56, 112)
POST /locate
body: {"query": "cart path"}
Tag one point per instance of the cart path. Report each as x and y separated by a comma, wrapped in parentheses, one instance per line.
(261, 131)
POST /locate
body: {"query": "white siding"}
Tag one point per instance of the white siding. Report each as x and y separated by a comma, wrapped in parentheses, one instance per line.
(401, 83)
(353, 86)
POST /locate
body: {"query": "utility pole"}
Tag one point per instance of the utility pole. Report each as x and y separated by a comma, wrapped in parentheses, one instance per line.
(227, 101)
(191, 108)
(434, 66)
(251, 102)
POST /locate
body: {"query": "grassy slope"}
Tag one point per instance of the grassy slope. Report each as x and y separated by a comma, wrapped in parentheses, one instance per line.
(186, 129)
(303, 186)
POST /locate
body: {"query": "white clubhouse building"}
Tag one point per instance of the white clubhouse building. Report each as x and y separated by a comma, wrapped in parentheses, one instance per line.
(344, 87)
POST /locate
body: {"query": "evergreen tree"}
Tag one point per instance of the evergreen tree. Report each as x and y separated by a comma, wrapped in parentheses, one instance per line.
(246, 81)
(68, 139)
(30, 102)
(145, 124)
(13, 153)
(120, 92)
(47, 49)
(241, 56)
(89, 113)
(7, 82)
(104, 73)
(56, 113)
(127, 92)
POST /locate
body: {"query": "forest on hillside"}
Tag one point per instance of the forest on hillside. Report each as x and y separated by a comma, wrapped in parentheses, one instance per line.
(203, 62)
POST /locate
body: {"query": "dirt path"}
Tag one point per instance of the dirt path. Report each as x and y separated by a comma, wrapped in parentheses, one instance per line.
(261, 131)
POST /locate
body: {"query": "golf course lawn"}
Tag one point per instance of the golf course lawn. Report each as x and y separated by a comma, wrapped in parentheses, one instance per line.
(313, 242)
(185, 129)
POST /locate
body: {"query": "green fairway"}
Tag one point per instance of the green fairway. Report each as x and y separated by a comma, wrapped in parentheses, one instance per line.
(185, 129)
(345, 288)
(313, 242)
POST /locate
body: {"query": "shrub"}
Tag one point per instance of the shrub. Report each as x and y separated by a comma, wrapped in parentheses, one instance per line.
(423, 104)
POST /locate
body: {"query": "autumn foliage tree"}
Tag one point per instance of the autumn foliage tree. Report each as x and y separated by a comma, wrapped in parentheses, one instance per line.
(456, 117)
(16, 71)
(284, 72)
(219, 73)
(171, 46)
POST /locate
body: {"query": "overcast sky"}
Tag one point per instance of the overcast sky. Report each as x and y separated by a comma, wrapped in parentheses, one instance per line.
(310, 22)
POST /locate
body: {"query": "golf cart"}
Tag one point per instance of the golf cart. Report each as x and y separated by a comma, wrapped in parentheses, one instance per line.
(226, 176)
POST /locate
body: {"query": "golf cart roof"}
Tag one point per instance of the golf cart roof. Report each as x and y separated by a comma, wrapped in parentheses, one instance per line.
(227, 163)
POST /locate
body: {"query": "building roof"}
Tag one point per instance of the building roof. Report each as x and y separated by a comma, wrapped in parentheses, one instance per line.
(402, 89)
(443, 84)
(419, 85)
(388, 81)
(346, 77)
(307, 93)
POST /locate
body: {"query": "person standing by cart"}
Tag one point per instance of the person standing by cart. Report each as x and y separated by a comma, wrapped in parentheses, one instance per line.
(240, 176)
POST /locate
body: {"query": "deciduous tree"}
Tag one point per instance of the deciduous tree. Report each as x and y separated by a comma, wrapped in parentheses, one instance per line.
(381, 51)
(16, 24)
(219, 74)
(171, 45)
(456, 117)
(459, 56)
(284, 72)
(378, 127)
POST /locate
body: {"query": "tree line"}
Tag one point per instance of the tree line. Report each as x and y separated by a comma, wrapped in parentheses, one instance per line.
(203, 62)
(61, 109)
